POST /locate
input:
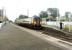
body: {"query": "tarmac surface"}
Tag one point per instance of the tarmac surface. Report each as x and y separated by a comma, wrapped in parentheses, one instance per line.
(13, 38)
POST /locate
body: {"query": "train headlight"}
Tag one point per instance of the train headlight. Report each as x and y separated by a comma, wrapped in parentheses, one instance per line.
(34, 22)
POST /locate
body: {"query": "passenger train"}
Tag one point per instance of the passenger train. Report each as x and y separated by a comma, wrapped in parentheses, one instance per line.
(33, 22)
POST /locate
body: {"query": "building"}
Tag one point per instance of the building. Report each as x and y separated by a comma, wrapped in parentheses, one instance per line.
(1, 15)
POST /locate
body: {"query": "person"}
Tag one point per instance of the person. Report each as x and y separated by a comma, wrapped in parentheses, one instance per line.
(61, 25)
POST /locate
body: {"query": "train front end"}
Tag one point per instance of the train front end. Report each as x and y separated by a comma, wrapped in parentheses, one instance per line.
(36, 22)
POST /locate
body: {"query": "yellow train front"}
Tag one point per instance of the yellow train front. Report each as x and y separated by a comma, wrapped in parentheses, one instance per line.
(33, 22)
(36, 22)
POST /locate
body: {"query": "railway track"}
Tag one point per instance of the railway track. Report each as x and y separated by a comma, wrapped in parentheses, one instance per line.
(50, 31)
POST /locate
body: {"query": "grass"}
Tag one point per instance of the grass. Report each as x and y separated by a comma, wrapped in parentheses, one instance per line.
(67, 27)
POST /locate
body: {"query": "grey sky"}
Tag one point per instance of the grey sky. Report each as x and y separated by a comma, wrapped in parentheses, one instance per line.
(16, 7)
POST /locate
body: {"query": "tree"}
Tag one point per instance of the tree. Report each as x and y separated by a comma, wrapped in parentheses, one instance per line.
(22, 16)
(43, 14)
(67, 14)
(54, 12)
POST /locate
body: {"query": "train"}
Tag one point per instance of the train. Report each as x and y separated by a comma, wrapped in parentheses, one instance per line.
(33, 22)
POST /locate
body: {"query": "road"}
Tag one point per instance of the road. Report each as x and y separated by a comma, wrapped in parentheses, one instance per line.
(12, 38)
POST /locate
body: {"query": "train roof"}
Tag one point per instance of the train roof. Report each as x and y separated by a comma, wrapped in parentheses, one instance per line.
(36, 17)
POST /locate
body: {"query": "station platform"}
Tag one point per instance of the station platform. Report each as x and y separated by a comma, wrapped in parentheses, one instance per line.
(13, 37)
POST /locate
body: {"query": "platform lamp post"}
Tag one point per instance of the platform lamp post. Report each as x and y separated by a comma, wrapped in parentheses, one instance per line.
(69, 16)
(58, 18)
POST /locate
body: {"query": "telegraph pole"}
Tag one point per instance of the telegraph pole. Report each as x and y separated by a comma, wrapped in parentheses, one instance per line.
(28, 12)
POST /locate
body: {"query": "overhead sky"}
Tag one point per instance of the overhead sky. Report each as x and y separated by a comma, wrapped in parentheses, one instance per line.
(16, 7)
